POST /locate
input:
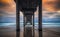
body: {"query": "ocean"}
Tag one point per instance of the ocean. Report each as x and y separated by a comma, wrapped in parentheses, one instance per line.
(36, 25)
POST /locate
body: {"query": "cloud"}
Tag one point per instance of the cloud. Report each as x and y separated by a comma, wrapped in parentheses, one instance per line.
(2, 13)
(48, 5)
(7, 8)
(7, 5)
(2, 5)
(58, 4)
(50, 15)
(51, 5)
(6, 14)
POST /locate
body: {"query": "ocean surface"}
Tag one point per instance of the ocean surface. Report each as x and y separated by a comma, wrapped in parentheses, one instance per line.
(36, 25)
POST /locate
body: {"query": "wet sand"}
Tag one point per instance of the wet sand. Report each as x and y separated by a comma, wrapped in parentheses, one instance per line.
(47, 32)
(51, 32)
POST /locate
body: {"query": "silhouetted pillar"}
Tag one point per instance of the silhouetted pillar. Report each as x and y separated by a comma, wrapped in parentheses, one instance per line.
(17, 20)
(40, 18)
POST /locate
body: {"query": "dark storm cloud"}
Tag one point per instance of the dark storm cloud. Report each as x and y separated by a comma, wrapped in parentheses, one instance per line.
(57, 4)
(50, 13)
(2, 12)
(3, 4)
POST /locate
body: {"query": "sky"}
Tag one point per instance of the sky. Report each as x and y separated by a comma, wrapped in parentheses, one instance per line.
(50, 8)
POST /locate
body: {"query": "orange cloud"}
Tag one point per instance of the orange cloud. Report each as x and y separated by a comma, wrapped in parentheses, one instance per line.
(50, 5)
(10, 5)
(6, 1)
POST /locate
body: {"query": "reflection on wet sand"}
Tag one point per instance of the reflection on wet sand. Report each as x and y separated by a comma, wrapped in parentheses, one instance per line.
(47, 32)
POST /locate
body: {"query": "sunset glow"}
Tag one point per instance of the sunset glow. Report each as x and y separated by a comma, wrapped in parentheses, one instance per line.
(48, 5)
(6, 1)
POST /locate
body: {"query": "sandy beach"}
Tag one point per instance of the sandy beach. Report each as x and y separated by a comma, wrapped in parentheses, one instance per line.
(47, 32)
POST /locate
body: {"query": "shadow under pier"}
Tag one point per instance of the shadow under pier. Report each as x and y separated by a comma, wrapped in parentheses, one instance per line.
(28, 32)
